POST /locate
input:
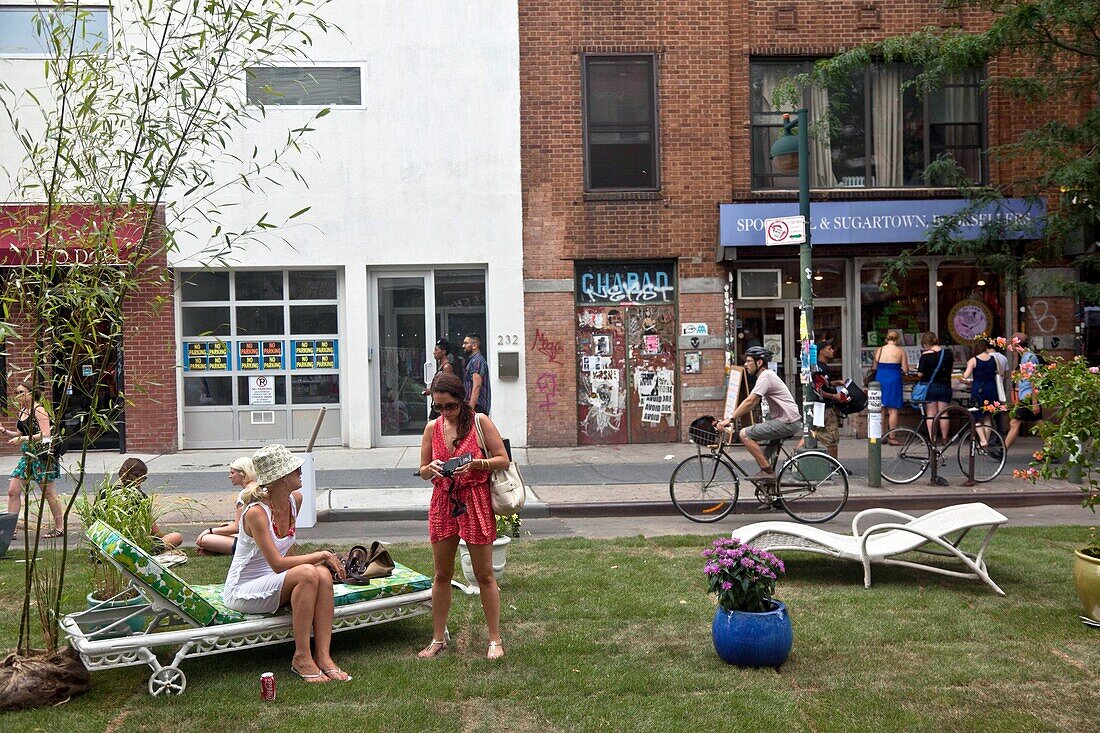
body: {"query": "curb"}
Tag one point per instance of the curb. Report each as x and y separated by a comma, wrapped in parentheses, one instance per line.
(665, 508)
(855, 504)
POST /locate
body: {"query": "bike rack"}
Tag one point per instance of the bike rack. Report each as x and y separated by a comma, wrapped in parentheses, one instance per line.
(973, 431)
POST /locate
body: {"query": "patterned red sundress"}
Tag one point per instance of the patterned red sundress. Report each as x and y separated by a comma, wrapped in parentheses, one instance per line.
(477, 526)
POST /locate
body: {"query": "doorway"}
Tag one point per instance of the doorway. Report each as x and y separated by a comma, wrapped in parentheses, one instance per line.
(412, 311)
(775, 326)
(626, 375)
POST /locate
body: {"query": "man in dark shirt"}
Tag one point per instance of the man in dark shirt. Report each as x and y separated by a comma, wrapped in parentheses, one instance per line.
(476, 375)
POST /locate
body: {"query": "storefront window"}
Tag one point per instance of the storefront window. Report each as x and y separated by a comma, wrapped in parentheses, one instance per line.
(255, 345)
(902, 305)
(969, 303)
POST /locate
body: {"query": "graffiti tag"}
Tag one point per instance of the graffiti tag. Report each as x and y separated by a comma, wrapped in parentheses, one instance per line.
(550, 349)
(547, 385)
(627, 286)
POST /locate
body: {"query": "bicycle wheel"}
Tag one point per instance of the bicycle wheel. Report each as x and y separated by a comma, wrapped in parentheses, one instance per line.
(988, 460)
(703, 488)
(904, 463)
(812, 487)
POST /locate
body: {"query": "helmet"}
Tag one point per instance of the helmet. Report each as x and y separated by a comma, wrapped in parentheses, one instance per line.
(759, 353)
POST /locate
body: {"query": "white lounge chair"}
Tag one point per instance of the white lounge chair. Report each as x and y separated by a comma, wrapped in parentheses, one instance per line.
(192, 620)
(880, 535)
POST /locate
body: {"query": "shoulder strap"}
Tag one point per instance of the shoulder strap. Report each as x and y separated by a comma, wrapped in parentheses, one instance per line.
(937, 369)
(480, 435)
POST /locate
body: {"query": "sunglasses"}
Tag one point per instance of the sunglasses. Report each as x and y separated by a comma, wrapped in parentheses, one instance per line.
(458, 507)
(447, 407)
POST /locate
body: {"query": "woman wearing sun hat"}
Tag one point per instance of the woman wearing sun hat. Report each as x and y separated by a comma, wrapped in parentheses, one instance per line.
(265, 573)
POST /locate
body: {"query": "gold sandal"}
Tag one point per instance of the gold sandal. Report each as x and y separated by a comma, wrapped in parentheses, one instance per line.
(495, 645)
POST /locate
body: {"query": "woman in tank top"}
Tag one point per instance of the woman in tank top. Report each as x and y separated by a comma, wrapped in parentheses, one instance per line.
(221, 540)
(266, 574)
(32, 433)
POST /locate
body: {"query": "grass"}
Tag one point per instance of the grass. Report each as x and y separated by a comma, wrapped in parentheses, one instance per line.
(615, 635)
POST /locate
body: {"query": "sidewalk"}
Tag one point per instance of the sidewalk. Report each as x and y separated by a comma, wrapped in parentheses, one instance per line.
(380, 484)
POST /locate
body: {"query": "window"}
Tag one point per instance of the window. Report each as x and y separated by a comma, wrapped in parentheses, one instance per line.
(620, 122)
(903, 307)
(311, 86)
(30, 31)
(886, 134)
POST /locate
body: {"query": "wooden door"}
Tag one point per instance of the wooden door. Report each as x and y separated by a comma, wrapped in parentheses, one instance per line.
(601, 376)
(651, 361)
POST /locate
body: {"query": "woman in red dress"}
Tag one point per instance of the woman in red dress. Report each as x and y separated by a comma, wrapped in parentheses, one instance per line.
(461, 506)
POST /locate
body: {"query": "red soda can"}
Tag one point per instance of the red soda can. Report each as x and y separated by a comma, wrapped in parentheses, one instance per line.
(267, 686)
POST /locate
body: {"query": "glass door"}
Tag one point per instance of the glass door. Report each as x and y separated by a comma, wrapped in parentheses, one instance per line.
(403, 302)
(773, 327)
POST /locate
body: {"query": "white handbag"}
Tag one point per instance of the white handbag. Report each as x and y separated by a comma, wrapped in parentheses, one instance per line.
(506, 486)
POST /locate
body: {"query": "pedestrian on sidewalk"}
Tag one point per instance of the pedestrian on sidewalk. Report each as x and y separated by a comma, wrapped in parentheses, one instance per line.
(444, 364)
(32, 435)
(222, 539)
(1027, 406)
(934, 368)
(475, 377)
(889, 365)
(826, 390)
(461, 506)
(786, 421)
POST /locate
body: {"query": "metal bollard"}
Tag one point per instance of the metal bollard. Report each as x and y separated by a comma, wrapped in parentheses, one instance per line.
(874, 435)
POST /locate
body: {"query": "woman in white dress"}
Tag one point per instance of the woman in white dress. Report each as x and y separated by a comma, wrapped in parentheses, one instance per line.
(265, 573)
(222, 539)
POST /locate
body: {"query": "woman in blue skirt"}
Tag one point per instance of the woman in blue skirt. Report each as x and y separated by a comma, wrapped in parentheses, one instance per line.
(890, 363)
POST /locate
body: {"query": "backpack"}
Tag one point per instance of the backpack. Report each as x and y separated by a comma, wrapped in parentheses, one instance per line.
(857, 399)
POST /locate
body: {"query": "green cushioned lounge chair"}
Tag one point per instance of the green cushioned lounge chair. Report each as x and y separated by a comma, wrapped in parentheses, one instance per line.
(193, 620)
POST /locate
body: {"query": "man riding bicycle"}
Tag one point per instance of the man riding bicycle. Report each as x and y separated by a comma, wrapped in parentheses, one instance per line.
(786, 419)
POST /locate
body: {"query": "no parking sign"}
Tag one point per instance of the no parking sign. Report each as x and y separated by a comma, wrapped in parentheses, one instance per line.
(261, 390)
(785, 230)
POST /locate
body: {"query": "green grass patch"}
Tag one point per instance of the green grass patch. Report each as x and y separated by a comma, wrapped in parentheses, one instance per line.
(615, 636)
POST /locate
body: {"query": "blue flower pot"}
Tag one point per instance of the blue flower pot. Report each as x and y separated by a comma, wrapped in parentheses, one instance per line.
(753, 639)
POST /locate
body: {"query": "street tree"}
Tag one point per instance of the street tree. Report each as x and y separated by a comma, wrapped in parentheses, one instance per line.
(1041, 55)
(123, 129)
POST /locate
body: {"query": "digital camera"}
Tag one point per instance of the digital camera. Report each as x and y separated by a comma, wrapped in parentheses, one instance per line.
(449, 466)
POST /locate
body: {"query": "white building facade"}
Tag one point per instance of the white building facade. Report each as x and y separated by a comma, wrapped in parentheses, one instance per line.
(413, 235)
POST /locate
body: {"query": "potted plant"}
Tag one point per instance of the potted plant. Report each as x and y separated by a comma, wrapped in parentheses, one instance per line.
(507, 528)
(133, 514)
(1072, 389)
(750, 628)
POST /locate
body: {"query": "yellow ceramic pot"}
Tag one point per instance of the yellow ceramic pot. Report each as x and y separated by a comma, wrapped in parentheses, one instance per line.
(1086, 574)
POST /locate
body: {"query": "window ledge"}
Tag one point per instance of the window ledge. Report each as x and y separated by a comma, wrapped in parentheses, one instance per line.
(623, 196)
(853, 192)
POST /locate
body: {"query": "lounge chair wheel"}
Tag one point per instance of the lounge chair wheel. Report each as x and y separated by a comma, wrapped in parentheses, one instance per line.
(167, 681)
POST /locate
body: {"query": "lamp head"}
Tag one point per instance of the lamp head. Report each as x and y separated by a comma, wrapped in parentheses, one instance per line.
(784, 151)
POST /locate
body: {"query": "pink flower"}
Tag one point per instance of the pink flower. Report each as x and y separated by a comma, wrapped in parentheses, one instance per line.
(1094, 370)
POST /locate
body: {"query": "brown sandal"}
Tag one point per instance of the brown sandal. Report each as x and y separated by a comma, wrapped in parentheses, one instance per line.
(54, 534)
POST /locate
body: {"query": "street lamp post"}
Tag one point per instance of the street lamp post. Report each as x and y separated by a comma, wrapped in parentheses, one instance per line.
(790, 152)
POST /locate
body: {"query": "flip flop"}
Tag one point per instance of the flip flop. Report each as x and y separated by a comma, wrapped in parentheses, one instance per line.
(310, 677)
(333, 674)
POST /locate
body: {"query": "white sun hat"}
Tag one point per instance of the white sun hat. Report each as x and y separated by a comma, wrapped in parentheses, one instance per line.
(273, 462)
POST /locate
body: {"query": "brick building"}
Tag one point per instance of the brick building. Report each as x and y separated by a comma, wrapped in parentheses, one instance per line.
(645, 134)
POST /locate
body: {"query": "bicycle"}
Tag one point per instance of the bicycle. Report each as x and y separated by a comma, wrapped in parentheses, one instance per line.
(910, 453)
(811, 486)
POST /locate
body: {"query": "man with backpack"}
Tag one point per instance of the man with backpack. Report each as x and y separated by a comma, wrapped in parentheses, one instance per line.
(828, 390)
(1027, 401)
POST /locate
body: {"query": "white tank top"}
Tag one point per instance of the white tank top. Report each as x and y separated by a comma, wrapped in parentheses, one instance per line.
(248, 562)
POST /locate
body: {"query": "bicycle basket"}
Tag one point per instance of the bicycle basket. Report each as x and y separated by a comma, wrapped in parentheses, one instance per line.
(702, 431)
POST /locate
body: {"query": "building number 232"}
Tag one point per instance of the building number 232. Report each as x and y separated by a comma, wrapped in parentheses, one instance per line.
(508, 340)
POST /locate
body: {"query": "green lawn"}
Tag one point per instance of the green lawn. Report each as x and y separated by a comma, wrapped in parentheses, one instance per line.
(616, 636)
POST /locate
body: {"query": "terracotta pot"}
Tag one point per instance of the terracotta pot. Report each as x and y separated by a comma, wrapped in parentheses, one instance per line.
(1086, 574)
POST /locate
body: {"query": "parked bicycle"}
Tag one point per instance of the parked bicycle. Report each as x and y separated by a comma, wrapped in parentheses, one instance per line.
(907, 453)
(810, 485)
